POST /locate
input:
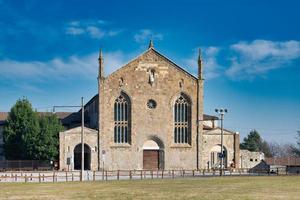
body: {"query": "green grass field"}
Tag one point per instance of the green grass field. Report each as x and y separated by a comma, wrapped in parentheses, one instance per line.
(281, 187)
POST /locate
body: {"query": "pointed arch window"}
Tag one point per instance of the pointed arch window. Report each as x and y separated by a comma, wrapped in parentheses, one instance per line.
(122, 119)
(182, 120)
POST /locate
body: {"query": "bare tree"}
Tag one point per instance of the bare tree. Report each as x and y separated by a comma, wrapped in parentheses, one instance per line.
(281, 150)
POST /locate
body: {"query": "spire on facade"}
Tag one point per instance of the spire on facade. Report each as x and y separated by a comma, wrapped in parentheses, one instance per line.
(200, 67)
(101, 66)
(151, 45)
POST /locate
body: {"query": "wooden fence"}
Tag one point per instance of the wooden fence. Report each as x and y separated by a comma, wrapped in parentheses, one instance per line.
(105, 175)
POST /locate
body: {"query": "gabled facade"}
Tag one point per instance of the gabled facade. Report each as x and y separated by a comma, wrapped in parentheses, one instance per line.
(137, 107)
(150, 116)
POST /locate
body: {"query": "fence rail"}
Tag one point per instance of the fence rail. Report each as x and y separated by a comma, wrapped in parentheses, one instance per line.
(106, 175)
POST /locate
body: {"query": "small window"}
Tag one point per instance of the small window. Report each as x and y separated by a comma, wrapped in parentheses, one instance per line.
(255, 160)
(151, 104)
(251, 159)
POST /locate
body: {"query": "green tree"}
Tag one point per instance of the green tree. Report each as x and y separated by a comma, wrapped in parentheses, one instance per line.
(253, 142)
(48, 139)
(21, 131)
(28, 136)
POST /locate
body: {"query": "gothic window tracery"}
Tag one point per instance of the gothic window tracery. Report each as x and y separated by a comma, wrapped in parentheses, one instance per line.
(182, 120)
(122, 120)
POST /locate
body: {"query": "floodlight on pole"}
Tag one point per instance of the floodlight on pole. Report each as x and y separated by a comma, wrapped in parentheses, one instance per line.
(221, 112)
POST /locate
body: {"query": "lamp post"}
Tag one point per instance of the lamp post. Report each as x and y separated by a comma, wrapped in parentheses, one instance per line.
(82, 133)
(221, 112)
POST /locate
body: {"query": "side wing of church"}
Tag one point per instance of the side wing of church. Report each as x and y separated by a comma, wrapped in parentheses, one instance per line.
(150, 116)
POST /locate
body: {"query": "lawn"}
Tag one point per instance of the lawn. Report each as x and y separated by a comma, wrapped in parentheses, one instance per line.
(275, 187)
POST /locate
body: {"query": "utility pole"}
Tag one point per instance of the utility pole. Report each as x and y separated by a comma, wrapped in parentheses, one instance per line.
(82, 141)
(82, 133)
(221, 112)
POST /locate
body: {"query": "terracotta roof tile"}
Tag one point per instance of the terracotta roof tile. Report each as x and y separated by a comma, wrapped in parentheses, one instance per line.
(286, 161)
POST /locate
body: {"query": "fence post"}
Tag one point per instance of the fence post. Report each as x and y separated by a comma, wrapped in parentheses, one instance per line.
(183, 173)
(25, 178)
(106, 175)
(31, 177)
(94, 175)
(173, 173)
(16, 177)
(141, 174)
(39, 177)
(53, 177)
(162, 174)
(118, 174)
(43, 177)
(130, 175)
(103, 174)
(66, 176)
(72, 177)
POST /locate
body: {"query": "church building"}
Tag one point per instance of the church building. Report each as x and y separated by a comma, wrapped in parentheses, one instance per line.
(148, 115)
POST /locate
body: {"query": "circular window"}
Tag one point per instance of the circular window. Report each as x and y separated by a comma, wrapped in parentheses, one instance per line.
(151, 104)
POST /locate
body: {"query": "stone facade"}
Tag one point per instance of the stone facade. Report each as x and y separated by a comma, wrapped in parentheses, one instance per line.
(212, 146)
(149, 77)
(249, 159)
(69, 139)
(149, 124)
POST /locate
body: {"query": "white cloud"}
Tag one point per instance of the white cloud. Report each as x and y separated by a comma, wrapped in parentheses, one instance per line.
(211, 67)
(245, 60)
(91, 28)
(95, 32)
(147, 34)
(250, 59)
(74, 67)
(74, 31)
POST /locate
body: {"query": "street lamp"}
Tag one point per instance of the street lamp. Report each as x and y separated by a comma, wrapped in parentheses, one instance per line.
(221, 112)
(82, 132)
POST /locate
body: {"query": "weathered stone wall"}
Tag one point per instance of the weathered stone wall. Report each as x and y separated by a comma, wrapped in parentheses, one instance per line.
(249, 159)
(72, 137)
(212, 138)
(148, 124)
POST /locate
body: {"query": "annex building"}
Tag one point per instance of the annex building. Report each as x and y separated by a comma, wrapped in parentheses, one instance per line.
(148, 115)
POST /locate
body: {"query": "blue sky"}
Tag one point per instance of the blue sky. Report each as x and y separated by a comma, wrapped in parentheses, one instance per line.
(251, 50)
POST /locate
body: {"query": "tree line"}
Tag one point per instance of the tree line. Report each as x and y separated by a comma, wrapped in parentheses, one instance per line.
(254, 142)
(30, 136)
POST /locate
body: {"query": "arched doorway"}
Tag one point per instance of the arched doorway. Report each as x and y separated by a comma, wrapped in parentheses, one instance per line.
(77, 157)
(153, 155)
(215, 157)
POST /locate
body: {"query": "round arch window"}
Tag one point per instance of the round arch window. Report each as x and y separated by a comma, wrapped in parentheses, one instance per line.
(151, 104)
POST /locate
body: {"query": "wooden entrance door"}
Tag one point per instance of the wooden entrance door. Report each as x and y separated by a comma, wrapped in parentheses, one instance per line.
(151, 159)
